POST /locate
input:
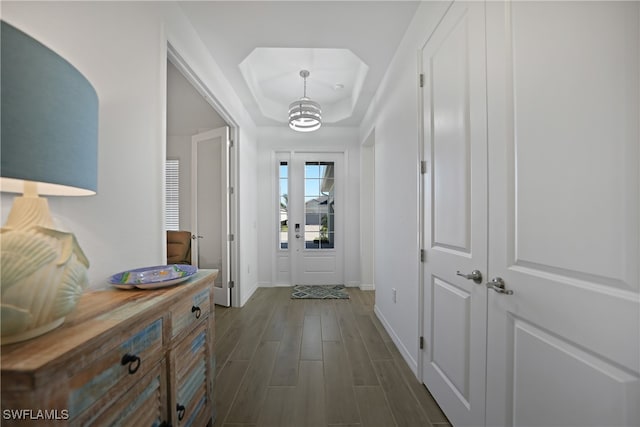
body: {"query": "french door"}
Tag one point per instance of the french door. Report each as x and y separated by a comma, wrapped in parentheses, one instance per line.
(311, 217)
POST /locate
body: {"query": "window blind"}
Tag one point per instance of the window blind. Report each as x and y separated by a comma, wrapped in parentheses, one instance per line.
(172, 196)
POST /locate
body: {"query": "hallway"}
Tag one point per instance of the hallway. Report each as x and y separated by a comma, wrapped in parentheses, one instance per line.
(283, 362)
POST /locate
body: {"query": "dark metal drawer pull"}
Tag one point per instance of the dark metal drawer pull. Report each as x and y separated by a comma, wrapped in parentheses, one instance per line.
(132, 360)
(180, 409)
(195, 309)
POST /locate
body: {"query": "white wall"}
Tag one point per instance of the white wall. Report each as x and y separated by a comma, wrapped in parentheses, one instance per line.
(337, 139)
(393, 116)
(367, 213)
(121, 48)
(247, 234)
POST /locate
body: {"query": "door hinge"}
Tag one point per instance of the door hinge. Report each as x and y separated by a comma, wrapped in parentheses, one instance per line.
(231, 143)
(421, 79)
(231, 237)
(423, 167)
(230, 190)
(421, 343)
(423, 255)
(231, 284)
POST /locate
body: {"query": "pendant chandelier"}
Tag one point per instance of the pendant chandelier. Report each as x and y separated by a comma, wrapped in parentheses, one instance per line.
(304, 114)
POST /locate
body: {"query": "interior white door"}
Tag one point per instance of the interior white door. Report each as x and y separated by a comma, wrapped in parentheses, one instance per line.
(563, 84)
(210, 207)
(455, 187)
(316, 224)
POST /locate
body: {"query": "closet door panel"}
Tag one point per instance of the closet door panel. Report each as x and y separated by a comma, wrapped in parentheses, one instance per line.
(451, 333)
(454, 101)
(571, 156)
(450, 140)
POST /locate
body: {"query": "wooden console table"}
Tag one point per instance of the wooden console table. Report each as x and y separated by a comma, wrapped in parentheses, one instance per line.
(123, 357)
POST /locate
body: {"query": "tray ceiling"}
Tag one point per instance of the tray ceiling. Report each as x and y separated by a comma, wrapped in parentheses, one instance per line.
(262, 46)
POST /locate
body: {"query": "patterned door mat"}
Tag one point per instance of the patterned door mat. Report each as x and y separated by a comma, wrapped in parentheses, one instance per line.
(319, 292)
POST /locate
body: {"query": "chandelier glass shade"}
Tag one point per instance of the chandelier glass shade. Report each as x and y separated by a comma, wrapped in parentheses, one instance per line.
(305, 115)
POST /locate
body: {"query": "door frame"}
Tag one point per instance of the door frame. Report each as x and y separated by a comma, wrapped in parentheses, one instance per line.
(424, 232)
(182, 65)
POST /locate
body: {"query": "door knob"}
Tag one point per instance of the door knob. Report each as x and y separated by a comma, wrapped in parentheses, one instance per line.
(497, 284)
(298, 236)
(475, 275)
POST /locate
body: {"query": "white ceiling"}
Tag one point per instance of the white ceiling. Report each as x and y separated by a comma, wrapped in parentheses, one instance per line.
(261, 46)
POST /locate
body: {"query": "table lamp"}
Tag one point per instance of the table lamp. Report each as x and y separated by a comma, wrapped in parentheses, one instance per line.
(48, 146)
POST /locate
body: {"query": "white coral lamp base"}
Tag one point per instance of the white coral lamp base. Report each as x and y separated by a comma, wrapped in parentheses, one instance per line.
(36, 332)
(43, 274)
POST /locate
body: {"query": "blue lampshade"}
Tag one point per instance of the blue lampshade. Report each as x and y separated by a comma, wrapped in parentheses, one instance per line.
(49, 120)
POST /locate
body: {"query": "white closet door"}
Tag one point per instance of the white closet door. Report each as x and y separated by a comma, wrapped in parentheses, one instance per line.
(563, 349)
(454, 358)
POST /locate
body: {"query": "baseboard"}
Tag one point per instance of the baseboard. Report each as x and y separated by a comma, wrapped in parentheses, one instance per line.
(406, 355)
(266, 285)
(274, 285)
(348, 285)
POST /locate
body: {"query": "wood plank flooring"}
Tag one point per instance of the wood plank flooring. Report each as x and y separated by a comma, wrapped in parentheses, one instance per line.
(325, 363)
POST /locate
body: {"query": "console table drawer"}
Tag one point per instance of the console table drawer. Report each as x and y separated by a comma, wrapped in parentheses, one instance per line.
(112, 374)
(190, 312)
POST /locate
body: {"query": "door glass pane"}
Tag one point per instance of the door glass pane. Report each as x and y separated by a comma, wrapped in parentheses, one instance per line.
(283, 225)
(319, 223)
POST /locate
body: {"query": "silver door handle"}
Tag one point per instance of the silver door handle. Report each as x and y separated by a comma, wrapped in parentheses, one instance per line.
(497, 284)
(475, 275)
(298, 236)
(194, 237)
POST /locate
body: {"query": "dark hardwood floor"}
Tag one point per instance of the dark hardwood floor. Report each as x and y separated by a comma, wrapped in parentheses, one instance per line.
(295, 363)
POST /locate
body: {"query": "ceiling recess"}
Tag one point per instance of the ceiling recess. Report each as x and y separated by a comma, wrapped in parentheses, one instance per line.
(272, 75)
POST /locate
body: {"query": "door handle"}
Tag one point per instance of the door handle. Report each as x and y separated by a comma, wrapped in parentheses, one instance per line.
(194, 237)
(475, 275)
(298, 236)
(497, 284)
